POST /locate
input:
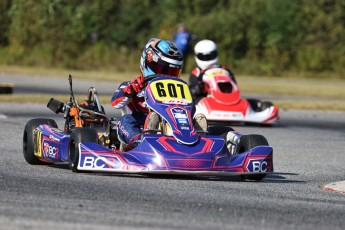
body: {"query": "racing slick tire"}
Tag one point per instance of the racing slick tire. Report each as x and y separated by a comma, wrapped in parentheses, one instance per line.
(78, 136)
(219, 130)
(266, 105)
(28, 139)
(255, 104)
(259, 106)
(248, 142)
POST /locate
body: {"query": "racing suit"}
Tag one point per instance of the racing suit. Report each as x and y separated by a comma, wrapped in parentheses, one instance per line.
(129, 124)
(197, 87)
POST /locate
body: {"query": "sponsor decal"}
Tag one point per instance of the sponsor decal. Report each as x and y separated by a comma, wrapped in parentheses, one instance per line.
(52, 137)
(258, 166)
(176, 110)
(50, 151)
(123, 130)
(227, 115)
(100, 162)
(180, 115)
(37, 143)
(56, 130)
(216, 72)
(151, 56)
(182, 121)
(178, 102)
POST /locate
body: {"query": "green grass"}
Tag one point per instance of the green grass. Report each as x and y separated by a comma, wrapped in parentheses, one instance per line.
(321, 88)
(63, 73)
(310, 105)
(315, 93)
(44, 98)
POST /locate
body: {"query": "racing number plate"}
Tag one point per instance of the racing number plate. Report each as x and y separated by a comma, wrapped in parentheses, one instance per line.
(171, 92)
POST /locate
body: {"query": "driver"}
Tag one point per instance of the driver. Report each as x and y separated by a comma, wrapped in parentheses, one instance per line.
(206, 57)
(158, 57)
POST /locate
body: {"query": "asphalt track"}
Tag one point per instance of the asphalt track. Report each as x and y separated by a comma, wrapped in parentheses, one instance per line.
(308, 152)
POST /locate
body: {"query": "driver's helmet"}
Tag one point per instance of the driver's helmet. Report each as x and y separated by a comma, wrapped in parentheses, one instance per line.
(206, 54)
(161, 57)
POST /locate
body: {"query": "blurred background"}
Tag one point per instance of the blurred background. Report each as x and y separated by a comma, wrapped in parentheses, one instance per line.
(254, 37)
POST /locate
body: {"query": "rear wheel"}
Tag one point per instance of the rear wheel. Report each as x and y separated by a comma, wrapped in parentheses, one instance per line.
(78, 136)
(248, 142)
(28, 139)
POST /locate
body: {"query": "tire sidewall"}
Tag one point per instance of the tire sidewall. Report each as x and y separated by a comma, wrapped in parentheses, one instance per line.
(28, 138)
(248, 142)
(265, 105)
(219, 130)
(79, 135)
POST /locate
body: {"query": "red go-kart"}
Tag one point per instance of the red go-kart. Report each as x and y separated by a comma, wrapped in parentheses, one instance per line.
(224, 103)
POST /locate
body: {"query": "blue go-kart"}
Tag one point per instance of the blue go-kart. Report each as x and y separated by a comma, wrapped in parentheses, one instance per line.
(89, 141)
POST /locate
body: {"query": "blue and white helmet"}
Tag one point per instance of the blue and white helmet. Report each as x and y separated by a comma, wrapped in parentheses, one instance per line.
(161, 57)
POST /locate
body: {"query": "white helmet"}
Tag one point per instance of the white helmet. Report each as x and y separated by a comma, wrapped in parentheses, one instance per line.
(206, 54)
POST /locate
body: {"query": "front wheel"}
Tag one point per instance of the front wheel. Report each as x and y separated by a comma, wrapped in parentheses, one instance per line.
(248, 142)
(219, 130)
(258, 105)
(28, 139)
(266, 105)
(78, 136)
(255, 104)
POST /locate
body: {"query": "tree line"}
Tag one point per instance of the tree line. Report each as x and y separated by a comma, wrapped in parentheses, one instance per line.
(260, 37)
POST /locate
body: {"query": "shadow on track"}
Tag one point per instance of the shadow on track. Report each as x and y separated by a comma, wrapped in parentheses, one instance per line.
(271, 178)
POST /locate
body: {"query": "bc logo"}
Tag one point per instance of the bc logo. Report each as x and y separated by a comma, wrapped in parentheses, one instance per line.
(257, 166)
(50, 151)
(100, 162)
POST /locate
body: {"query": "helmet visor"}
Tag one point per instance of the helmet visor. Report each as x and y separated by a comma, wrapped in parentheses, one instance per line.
(207, 57)
(158, 68)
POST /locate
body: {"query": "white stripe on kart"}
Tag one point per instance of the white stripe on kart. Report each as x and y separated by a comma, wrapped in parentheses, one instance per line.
(338, 186)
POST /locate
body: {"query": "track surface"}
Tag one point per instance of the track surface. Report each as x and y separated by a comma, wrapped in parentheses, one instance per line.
(308, 152)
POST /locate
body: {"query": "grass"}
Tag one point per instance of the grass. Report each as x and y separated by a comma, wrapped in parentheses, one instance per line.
(314, 93)
(44, 98)
(111, 76)
(320, 88)
(310, 105)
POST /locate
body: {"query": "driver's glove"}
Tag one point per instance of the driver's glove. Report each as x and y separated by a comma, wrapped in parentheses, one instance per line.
(135, 86)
